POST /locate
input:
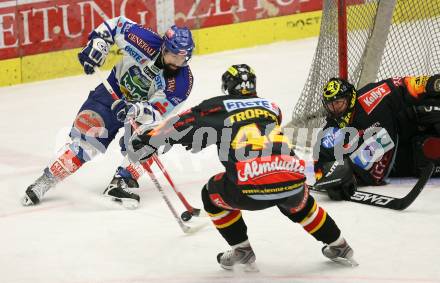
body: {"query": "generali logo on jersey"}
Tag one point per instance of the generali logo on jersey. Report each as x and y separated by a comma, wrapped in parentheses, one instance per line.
(372, 98)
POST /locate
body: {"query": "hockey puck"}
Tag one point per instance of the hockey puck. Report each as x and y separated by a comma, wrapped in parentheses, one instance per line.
(186, 216)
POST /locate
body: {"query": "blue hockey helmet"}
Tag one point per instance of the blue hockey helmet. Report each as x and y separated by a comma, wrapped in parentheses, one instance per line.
(179, 41)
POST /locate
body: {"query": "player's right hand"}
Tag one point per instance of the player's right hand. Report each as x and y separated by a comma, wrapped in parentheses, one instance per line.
(139, 147)
(94, 54)
(141, 112)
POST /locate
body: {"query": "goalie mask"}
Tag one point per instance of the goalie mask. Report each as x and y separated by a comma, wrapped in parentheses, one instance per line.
(239, 80)
(339, 99)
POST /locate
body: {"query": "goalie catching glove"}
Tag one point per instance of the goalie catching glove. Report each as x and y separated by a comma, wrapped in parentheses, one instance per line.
(337, 179)
(93, 55)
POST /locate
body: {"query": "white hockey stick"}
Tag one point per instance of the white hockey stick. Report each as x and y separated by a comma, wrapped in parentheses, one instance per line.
(185, 228)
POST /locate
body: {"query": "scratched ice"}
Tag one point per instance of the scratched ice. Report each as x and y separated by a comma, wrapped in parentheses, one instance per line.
(74, 236)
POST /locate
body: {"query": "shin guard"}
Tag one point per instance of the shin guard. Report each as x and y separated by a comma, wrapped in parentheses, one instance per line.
(229, 223)
(315, 220)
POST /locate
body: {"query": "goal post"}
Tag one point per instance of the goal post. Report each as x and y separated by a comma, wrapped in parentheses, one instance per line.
(384, 38)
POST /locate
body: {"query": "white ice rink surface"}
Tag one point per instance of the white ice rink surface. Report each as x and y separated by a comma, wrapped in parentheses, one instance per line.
(75, 236)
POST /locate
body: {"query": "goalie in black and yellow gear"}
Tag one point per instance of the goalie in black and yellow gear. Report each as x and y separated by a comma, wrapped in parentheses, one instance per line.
(381, 129)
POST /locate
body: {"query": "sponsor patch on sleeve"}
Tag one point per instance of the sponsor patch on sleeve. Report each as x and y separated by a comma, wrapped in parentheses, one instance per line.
(373, 97)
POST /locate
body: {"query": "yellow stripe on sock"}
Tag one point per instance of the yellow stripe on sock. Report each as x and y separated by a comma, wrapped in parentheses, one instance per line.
(310, 213)
(324, 217)
(229, 223)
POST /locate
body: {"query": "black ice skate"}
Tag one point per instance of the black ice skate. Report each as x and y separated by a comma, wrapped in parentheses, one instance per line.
(240, 255)
(342, 253)
(119, 189)
(35, 192)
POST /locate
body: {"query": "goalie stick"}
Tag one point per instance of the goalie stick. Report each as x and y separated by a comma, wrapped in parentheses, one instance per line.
(392, 202)
(186, 215)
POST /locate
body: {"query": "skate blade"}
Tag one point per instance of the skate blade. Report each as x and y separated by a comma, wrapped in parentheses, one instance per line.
(126, 203)
(351, 262)
(196, 228)
(251, 267)
(26, 201)
(130, 204)
(248, 267)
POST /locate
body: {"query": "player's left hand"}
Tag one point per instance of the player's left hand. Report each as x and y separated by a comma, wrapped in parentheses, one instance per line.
(93, 54)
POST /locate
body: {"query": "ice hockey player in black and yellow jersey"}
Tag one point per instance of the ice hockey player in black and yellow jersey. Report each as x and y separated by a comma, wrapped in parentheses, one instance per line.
(386, 128)
(261, 169)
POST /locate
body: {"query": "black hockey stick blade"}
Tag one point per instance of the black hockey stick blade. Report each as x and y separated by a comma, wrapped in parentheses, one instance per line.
(392, 202)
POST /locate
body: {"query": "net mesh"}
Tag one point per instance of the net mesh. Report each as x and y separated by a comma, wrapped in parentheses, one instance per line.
(412, 47)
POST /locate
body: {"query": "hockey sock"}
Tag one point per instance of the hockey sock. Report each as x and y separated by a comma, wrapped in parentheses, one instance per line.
(315, 220)
(65, 164)
(229, 223)
(136, 169)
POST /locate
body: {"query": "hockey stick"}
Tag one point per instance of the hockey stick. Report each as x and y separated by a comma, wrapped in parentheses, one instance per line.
(392, 202)
(191, 211)
(145, 165)
(185, 228)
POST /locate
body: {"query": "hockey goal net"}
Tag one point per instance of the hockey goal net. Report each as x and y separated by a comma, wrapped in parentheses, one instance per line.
(366, 41)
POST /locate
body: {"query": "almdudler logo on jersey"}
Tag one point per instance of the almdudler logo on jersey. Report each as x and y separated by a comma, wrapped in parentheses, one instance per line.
(267, 170)
(372, 98)
(236, 104)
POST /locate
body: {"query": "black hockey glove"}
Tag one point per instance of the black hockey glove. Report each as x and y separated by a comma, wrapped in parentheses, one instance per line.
(139, 147)
(94, 54)
(433, 86)
(426, 115)
(337, 180)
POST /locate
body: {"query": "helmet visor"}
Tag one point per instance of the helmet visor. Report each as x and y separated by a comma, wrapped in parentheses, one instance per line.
(178, 60)
(336, 108)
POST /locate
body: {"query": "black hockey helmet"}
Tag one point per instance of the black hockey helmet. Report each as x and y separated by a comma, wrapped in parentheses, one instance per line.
(339, 98)
(239, 80)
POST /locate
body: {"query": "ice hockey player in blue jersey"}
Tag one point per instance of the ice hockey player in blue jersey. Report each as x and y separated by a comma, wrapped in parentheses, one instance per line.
(154, 70)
